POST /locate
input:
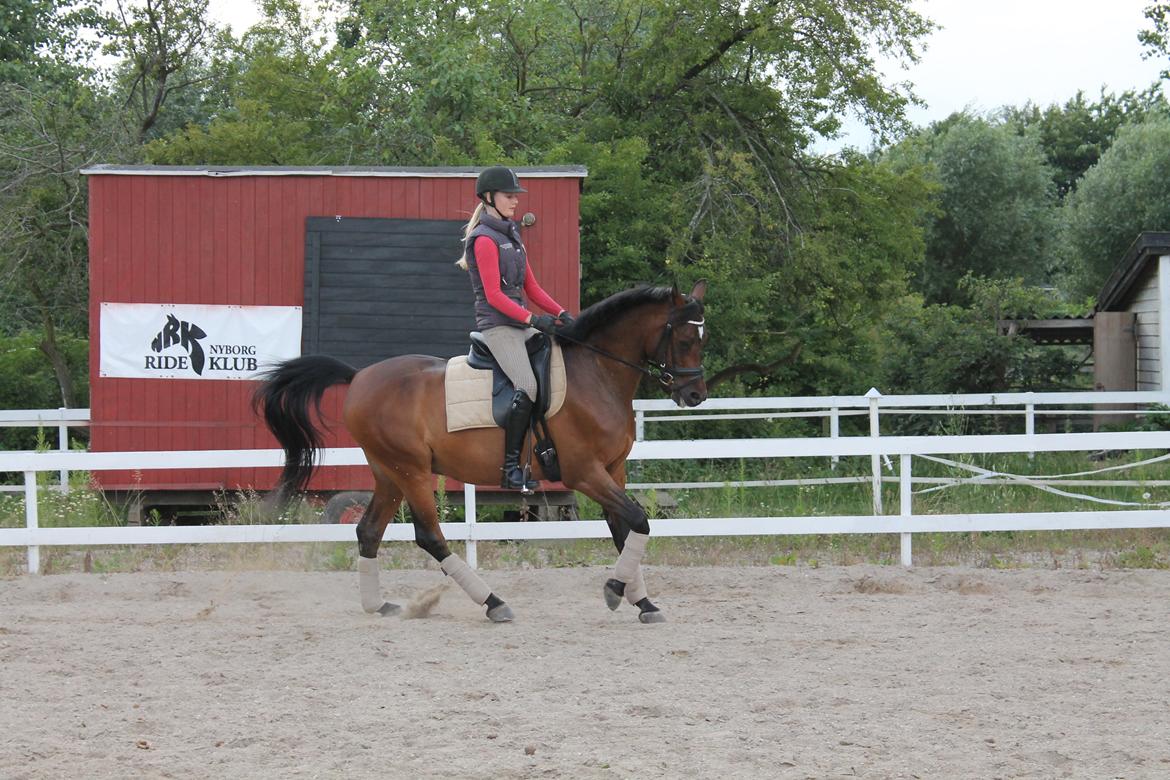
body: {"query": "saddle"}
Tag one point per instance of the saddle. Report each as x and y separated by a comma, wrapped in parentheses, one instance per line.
(539, 355)
(468, 405)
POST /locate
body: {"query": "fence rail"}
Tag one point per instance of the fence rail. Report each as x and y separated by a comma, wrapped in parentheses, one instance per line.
(905, 522)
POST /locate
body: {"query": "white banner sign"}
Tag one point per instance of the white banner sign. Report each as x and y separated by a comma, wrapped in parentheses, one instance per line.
(191, 341)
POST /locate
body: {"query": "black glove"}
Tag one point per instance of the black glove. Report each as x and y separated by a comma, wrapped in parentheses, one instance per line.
(566, 319)
(545, 323)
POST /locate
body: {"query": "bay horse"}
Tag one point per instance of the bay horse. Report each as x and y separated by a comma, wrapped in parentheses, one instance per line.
(395, 411)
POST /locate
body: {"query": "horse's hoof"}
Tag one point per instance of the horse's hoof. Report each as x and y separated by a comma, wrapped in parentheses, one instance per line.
(501, 613)
(613, 591)
(652, 616)
(387, 609)
(648, 613)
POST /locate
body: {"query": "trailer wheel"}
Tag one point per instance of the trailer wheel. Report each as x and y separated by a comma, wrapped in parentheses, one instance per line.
(346, 507)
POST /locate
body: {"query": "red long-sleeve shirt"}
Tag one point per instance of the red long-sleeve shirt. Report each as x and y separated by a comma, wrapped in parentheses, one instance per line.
(487, 260)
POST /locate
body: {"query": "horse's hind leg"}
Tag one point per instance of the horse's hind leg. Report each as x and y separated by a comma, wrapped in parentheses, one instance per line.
(370, 529)
(429, 536)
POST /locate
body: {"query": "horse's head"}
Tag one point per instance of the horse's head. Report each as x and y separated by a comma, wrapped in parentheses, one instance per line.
(679, 352)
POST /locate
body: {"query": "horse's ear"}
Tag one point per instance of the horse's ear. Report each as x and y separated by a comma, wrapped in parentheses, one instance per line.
(700, 290)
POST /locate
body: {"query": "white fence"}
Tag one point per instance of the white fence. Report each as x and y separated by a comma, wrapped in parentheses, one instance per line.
(62, 419)
(877, 447)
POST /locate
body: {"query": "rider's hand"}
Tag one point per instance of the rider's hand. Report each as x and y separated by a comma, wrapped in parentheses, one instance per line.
(565, 318)
(545, 323)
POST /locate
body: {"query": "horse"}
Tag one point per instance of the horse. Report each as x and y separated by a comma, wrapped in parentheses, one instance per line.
(395, 411)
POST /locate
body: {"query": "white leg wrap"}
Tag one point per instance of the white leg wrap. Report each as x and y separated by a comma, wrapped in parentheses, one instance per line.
(636, 588)
(631, 558)
(457, 569)
(368, 582)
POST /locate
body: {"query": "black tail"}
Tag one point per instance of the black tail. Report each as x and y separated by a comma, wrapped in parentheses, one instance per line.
(283, 398)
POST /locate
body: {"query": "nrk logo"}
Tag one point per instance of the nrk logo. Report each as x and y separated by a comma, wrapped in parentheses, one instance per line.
(234, 358)
(186, 335)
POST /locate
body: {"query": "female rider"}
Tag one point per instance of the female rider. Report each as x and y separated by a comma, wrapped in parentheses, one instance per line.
(500, 277)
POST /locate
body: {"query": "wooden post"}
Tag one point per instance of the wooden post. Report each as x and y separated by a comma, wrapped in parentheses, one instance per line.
(1114, 360)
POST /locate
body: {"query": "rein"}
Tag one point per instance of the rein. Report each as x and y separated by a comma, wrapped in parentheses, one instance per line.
(660, 370)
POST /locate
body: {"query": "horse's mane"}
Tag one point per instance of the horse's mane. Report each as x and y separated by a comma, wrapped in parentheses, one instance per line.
(604, 312)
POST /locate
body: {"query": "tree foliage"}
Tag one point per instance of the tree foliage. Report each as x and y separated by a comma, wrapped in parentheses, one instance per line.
(692, 116)
(1126, 193)
(942, 348)
(995, 209)
(695, 119)
(1074, 135)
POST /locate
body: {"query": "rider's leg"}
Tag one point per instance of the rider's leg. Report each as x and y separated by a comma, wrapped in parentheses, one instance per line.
(507, 346)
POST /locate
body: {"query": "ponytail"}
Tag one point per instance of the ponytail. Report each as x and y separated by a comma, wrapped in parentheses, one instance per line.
(471, 225)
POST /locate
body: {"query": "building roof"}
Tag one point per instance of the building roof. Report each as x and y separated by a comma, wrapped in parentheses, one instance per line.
(1050, 330)
(540, 172)
(1114, 294)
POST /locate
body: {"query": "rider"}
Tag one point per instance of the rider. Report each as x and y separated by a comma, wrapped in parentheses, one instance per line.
(498, 264)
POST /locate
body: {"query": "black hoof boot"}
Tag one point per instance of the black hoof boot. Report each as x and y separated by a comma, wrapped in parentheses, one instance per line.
(515, 428)
(648, 613)
(613, 592)
(497, 610)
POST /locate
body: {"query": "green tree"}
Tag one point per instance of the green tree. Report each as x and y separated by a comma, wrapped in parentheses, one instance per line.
(285, 97)
(44, 38)
(693, 116)
(995, 209)
(1125, 193)
(1155, 39)
(1075, 135)
(161, 45)
(28, 382)
(941, 348)
(53, 121)
(50, 133)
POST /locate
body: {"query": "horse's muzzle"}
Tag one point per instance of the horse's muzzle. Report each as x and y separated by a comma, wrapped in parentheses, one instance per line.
(691, 394)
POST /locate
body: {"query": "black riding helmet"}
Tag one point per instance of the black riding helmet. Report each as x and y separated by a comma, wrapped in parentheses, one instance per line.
(497, 179)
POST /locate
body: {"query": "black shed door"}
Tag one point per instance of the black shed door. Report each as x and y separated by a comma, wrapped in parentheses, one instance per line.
(376, 288)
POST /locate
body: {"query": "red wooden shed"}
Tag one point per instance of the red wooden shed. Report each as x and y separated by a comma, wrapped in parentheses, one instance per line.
(362, 257)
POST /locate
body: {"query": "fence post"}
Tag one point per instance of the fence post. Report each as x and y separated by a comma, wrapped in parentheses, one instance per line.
(875, 432)
(63, 445)
(906, 501)
(639, 425)
(30, 519)
(469, 518)
(834, 431)
(1030, 423)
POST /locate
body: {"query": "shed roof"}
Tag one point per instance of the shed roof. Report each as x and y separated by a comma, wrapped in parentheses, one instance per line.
(1133, 264)
(1049, 330)
(547, 171)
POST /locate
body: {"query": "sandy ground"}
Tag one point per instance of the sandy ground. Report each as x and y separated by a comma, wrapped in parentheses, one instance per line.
(770, 672)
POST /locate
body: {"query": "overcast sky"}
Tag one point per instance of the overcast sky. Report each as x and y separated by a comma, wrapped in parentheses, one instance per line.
(993, 53)
(988, 54)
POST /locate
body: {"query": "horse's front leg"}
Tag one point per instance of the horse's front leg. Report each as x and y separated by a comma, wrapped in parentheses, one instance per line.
(630, 528)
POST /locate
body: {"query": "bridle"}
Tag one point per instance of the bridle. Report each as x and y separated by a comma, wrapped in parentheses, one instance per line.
(661, 367)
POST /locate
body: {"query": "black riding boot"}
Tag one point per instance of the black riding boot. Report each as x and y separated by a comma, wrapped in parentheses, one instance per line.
(514, 430)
